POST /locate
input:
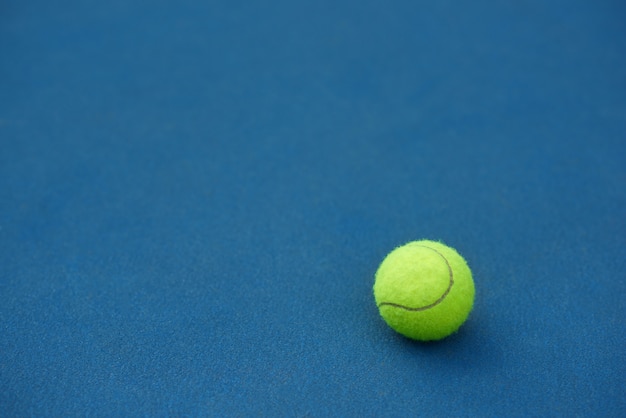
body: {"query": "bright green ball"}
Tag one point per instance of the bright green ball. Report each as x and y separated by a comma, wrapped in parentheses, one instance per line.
(424, 290)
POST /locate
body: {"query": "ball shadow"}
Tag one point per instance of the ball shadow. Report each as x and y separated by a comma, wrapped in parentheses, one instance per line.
(473, 348)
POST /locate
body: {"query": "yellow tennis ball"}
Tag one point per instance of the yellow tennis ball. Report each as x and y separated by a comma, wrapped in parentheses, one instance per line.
(424, 290)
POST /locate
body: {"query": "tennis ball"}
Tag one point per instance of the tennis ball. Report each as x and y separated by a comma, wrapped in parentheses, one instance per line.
(424, 290)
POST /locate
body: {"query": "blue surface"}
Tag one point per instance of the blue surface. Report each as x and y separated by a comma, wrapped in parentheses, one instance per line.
(194, 199)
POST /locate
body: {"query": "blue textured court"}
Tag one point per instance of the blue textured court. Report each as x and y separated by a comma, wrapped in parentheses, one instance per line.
(195, 196)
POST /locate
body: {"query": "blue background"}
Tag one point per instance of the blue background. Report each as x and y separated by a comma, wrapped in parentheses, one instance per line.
(194, 198)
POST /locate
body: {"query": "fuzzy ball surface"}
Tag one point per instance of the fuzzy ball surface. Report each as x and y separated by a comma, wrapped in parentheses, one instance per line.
(424, 290)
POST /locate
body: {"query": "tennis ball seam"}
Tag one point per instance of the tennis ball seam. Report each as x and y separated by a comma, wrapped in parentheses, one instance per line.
(435, 303)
